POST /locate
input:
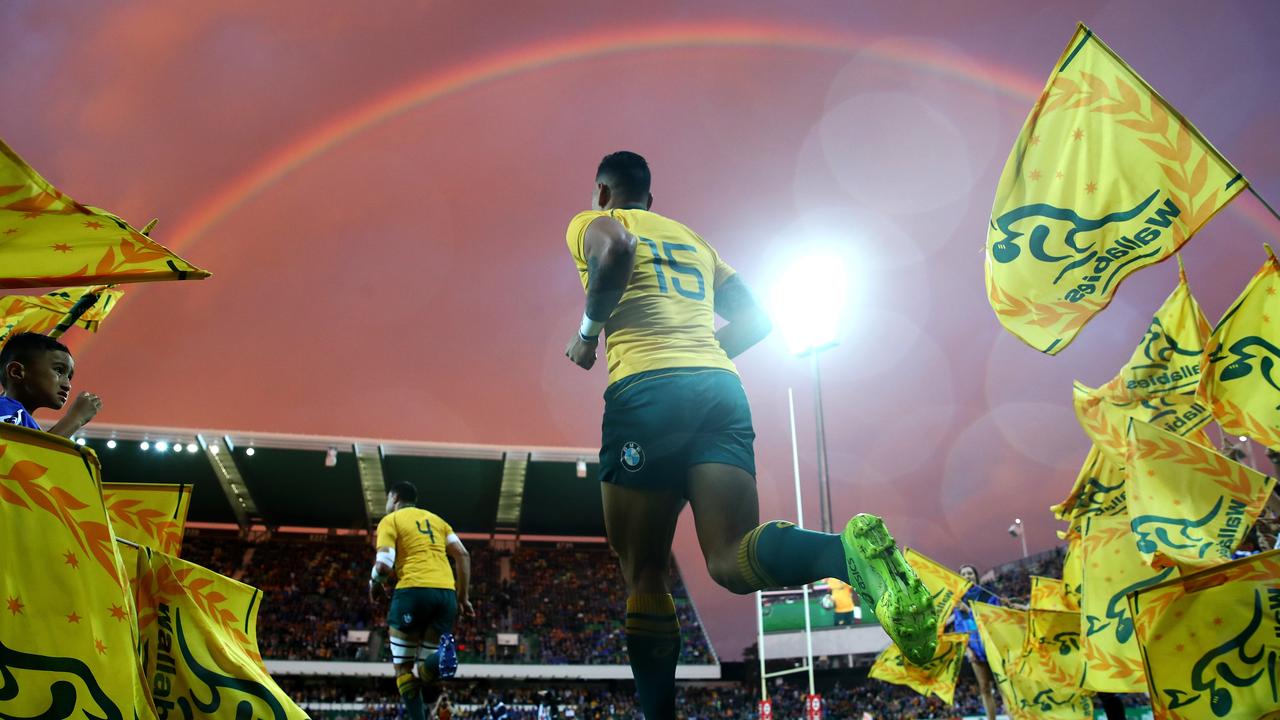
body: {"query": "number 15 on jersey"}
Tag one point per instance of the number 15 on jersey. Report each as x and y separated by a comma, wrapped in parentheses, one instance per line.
(667, 256)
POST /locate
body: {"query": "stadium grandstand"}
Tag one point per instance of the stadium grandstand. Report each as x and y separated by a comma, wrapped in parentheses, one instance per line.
(291, 516)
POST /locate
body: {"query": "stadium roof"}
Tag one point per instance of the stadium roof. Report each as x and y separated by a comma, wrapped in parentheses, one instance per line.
(279, 480)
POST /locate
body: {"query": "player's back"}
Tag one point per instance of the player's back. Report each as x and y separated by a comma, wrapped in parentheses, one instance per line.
(666, 317)
(841, 595)
(420, 538)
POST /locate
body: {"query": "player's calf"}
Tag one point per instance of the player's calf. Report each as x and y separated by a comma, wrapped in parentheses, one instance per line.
(410, 688)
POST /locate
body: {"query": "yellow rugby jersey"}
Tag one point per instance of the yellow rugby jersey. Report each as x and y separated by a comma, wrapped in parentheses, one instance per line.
(841, 595)
(418, 537)
(666, 317)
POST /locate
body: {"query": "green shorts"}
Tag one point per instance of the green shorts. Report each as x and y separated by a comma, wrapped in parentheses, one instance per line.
(414, 610)
(658, 424)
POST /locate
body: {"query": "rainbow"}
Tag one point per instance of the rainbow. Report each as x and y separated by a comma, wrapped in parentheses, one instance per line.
(436, 85)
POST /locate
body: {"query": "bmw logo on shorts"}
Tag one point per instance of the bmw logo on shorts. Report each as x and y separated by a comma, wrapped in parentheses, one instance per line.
(632, 457)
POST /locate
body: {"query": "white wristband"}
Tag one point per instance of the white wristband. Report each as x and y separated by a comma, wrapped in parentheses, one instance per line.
(589, 329)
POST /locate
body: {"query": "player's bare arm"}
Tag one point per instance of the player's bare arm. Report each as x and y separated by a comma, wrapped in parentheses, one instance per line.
(610, 253)
(382, 573)
(462, 561)
(748, 322)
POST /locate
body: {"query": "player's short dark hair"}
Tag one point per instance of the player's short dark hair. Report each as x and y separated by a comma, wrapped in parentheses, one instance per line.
(24, 347)
(626, 173)
(405, 492)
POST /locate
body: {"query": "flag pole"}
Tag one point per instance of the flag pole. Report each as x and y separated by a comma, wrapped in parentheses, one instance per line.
(86, 301)
(1265, 204)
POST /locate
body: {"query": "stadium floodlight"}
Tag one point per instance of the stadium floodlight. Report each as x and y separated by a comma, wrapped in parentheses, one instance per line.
(806, 305)
(248, 451)
(331, 457)
(213, 448)
(111, 444)
(191, 447)
(177, 447)
(1019, 531)
(80, 441)
(162, 446)
(144, 445)
(807, 302)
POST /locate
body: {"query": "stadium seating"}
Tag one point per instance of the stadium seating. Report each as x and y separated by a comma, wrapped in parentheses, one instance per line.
(565, 603)
(549, 589)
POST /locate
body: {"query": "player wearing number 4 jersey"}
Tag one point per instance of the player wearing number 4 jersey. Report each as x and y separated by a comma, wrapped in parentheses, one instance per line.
(414, 547)
(677, 429)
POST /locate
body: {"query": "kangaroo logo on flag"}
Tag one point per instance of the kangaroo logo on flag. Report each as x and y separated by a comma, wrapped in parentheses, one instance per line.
(1047, 246)
(1233, 663)
(1068, 642)
(1167, 358)
(199, 645)
(1160, 347)
(1188, 504)
(1105, 178)
(1185, 539)
(1118, 610)
(1238, 371)
(1045, 701)
(1242, 365)
(95, 702)
(1097, 497)
(1211, 640)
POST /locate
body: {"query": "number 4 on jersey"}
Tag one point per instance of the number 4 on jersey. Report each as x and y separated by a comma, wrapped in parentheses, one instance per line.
(426, 530)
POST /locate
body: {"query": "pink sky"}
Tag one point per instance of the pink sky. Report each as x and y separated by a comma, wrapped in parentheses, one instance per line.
(382, 198)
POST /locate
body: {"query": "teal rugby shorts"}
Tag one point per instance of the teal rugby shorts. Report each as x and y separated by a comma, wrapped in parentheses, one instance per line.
(415, 609)
(657, 424)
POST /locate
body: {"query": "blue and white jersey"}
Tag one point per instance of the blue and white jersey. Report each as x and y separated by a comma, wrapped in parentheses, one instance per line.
(14, 413)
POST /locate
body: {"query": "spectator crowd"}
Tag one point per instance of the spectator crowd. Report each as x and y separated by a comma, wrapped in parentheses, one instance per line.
(615, 700)
(566, 604)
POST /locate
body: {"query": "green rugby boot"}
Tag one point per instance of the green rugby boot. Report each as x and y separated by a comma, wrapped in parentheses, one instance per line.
(888, 584)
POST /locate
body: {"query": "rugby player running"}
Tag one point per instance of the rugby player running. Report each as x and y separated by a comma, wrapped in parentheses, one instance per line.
(677, 429)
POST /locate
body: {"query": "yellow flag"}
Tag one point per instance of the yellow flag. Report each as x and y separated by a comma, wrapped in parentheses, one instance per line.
(199, 644)
(46, 238)
(1212, 641)
(150, 514)
(1050, 594)
(1188, 505)
(147, 514)
(42, 313)
(1073, 571)
(1106, 420)
(1099, 488)
(1113, 568)
(1003, 632)
(1105, 179)
(66, 630)
(1052, 655)
(938, 676)
(944, 586)
(1239, 379)
(1167, 359)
